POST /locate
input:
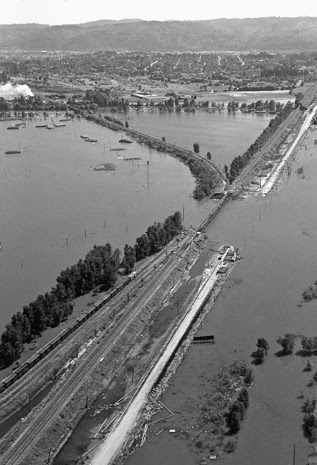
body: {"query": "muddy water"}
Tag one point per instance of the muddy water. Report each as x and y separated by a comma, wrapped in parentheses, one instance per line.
(277, 238)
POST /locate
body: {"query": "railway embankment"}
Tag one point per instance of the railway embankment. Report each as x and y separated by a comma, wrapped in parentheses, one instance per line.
(111, 366)
(210, 285)
(274, 176)
(207, 174)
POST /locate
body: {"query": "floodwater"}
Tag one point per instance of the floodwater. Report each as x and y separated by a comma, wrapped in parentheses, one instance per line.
(54, 207)
(277, 237)
(225, 135)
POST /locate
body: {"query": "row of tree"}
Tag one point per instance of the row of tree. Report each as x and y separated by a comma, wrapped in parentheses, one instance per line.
(237, 410)
(156, 237)
(310, 419)
(206, 177)
(99, 268)
(239, 162)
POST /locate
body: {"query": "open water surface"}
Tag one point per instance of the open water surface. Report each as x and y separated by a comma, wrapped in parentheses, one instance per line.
(277, 237)
(225, 135)
(54, 207)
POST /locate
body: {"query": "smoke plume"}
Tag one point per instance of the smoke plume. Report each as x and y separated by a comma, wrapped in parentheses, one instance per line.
(9, 92)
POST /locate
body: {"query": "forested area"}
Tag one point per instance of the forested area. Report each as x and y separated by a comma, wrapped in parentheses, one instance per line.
(100, 267)
(241, 161)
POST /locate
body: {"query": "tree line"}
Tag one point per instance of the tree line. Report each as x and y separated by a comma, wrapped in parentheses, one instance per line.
(239, 162)
(203, 172)
(152, 241)
(100, 268)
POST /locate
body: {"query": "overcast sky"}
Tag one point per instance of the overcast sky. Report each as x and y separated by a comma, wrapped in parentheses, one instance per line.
(78, 11)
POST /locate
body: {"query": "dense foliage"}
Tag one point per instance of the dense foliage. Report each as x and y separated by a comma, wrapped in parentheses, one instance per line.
(240, 162)
(287, 342)
(310, 420)
(262, 350)
(156, 237)
(99, 268)
(237, 411)
(310, 293)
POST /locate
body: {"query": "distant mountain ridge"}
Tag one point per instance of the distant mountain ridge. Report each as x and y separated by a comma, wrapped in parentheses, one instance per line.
(249, 34)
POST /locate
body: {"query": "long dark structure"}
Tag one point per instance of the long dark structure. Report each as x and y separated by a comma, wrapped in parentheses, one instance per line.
(203, 339)
(47, 348)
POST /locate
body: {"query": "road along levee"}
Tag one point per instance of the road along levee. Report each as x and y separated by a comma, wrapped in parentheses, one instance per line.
(115, 441)
(274, 176)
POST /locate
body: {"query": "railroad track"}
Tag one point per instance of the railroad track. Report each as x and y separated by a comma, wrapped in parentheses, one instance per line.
(24, 386)
(61, 397)
(277, 138)
(30, 435)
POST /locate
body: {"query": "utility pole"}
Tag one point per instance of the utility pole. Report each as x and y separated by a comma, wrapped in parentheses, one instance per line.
(294, 454)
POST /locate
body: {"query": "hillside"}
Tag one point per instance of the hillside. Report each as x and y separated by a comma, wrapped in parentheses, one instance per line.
(214, 35)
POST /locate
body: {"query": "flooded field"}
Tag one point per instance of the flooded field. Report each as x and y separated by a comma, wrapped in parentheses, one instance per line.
(262, 298)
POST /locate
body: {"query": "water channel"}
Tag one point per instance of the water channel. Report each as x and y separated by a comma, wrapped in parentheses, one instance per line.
(50, 193)
(54, 207)
(277, 238)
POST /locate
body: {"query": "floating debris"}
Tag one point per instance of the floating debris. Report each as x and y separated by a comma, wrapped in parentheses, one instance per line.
(105, 167)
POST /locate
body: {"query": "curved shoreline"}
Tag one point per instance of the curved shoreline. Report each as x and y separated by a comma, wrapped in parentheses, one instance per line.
(207, 175)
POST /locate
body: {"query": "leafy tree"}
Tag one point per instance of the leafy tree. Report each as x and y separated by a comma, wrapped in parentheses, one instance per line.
(234, 421)
(264, 344)
(249, 376)
(4, 77)
(128, 261)
(244, 397)
(308, 406)
(308, 344)
(259, 355)
(3, 105)
(196, 147)
(238, 406)
(288, 343)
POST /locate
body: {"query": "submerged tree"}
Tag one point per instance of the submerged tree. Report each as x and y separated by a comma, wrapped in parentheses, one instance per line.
(264, 344)
(196, 147)
(288, 343)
